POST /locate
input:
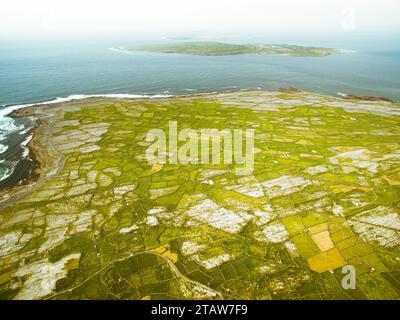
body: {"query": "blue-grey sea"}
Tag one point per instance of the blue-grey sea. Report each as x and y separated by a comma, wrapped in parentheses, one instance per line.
(34, 71)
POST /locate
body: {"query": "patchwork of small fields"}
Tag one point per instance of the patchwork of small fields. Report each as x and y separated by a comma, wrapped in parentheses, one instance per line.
(324, 193)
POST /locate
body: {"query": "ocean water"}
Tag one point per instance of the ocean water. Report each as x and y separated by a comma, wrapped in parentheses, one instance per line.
(38, 71)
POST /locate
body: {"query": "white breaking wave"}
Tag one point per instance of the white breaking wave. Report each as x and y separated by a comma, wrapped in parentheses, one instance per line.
(27, 140)
(7, 172)
(119, 49)
(25, 153)
(24, 144)
(123, 50)
(25, 131)
(7, 110)
(7, 126)
(3, 148)
(346, 51)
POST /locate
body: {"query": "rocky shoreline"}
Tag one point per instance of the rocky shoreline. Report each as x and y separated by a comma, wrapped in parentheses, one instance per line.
(47, 161)
(97, 221)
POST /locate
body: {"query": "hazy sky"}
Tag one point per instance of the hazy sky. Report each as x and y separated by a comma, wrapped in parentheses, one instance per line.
(69, 17)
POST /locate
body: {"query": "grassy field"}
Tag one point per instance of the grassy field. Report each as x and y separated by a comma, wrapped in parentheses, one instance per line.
(324, 193)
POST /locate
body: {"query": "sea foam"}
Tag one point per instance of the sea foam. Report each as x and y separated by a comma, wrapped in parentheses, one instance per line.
(7, 124)
(3, 148)
(8, 109)
(6, 172)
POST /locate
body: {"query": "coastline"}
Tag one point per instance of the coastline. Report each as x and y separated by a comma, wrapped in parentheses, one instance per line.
(46, 159)
(48, 162)
(95, 203)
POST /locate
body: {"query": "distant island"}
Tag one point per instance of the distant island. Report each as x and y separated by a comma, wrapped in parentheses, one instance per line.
(204, 48)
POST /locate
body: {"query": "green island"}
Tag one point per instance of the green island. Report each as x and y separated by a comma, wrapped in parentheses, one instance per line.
(204, 48)
(98, 222)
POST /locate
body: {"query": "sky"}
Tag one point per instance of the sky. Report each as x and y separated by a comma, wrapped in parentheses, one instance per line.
(106, 17)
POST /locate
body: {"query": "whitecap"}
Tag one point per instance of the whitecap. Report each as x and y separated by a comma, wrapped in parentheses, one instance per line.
(3, 148)
(4, 174)
(347, 51)
(7, 110)
(25, 153)
(24, 144)
(119, 49)
(7, 126)
(27, 140)
(25, 131)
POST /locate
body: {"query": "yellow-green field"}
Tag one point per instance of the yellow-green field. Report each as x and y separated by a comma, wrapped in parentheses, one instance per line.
(325, 193)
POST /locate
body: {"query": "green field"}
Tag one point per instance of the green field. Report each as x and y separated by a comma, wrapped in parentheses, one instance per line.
(223, 49)
(324, 194)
